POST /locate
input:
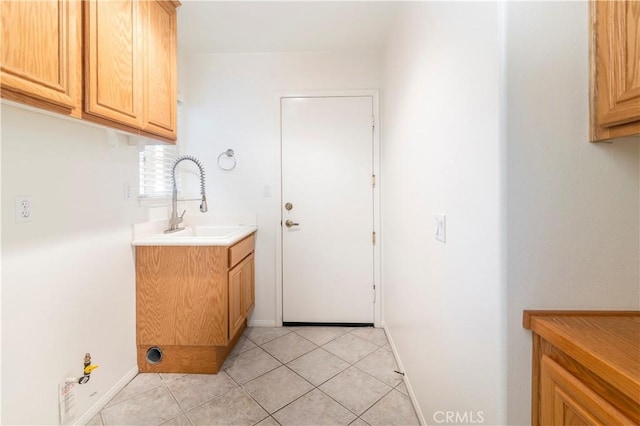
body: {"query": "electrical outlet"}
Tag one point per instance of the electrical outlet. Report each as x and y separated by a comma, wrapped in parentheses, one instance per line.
(23, 209)
(440, 229)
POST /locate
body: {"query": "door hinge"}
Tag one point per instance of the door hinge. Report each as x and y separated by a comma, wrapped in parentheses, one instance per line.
(373, 237)
(373, 180)
(374, 293)
(373, 121)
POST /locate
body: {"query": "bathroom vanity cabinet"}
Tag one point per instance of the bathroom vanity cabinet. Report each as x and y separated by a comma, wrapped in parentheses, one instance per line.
(192, 304)
(586, 367)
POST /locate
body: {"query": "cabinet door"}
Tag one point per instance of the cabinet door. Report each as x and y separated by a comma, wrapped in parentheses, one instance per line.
(160, 83)
(248, 285)
(615, 63)
(181, 295)
(565, 400)
(236, 316)
(113, 65)
(40, 51)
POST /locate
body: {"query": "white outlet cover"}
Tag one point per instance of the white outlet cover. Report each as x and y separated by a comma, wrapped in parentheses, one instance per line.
(440, 228)
(24, 209)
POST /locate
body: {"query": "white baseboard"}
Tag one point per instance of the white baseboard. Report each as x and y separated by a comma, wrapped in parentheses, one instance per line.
(102, 402)
(407, 382)
(262, 323)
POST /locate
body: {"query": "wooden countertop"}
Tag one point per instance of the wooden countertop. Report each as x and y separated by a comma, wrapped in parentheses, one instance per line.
(608, 342)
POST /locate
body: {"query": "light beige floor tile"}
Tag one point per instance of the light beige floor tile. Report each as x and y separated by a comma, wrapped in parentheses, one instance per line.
(321, 335)
(262, 335)
(150, 408)
(402, 387)
(318, 366)
(394, 409)
(359, 422)
(95, 421)
(387, 347)
(288, 347)
(242, 345)
(178, 421)
(249, 365)
(277, 388)
(167, 377)
(194, 389)
(143, 382)
(269, 421)
(314, 408)
(382, 365)
(373, 335)
(350, 348)
(355, 389)
(233, 408)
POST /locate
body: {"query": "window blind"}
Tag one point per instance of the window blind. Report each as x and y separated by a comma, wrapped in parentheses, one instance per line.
(156, 162)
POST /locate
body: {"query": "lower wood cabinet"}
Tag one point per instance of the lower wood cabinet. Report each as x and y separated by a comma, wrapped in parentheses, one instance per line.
(192, 304)
(586, 367)
(241, 293)
(565, 400)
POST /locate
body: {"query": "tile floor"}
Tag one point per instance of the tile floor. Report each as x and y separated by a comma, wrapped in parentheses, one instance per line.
(286, 376)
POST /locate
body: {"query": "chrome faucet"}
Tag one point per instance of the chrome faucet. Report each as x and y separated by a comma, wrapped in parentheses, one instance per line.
(176, 220)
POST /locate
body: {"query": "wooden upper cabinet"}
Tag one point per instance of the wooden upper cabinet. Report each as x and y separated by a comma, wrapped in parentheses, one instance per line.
(113, 65)
(109, 61)
(40, 53)
(615, 69)
(160, 64)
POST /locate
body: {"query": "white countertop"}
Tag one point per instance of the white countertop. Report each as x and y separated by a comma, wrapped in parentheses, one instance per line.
(198, 231)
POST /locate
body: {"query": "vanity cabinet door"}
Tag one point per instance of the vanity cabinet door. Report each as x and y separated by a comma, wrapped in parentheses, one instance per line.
(241, 293)
(40, 51)
(235, 300)
(615, 69)
(565, 400)
(248, 286)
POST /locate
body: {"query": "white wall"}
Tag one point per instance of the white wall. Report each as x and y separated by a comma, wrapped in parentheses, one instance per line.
(572, 206)
(232, 103)
(441, 153)
(68, 284)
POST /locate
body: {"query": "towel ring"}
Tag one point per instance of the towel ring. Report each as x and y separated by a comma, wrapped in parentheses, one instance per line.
(229, 154)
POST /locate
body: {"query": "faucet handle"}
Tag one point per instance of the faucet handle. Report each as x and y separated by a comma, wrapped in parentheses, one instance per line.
(182, 215)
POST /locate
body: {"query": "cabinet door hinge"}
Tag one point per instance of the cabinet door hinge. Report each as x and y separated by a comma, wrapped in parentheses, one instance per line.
(373, 237)
(374, 293)
(373, 121)
(373, 180)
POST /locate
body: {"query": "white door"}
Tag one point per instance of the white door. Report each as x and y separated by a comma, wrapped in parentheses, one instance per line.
(327, 210)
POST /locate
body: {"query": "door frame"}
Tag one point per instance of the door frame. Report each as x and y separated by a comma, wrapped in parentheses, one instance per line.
(377, 275)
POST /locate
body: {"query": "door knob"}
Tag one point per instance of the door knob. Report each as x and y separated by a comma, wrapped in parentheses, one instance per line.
(289, 223)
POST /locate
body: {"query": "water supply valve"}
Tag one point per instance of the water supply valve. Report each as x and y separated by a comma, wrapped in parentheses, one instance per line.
(86, 371)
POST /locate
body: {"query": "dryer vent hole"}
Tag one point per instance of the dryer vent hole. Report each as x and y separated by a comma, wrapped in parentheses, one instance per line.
(154, 355)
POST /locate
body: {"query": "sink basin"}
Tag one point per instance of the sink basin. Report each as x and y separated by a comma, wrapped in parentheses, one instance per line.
(204, 231)
(201, 235)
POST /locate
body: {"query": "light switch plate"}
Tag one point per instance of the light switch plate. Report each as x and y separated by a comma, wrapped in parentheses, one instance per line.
(440, 229)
